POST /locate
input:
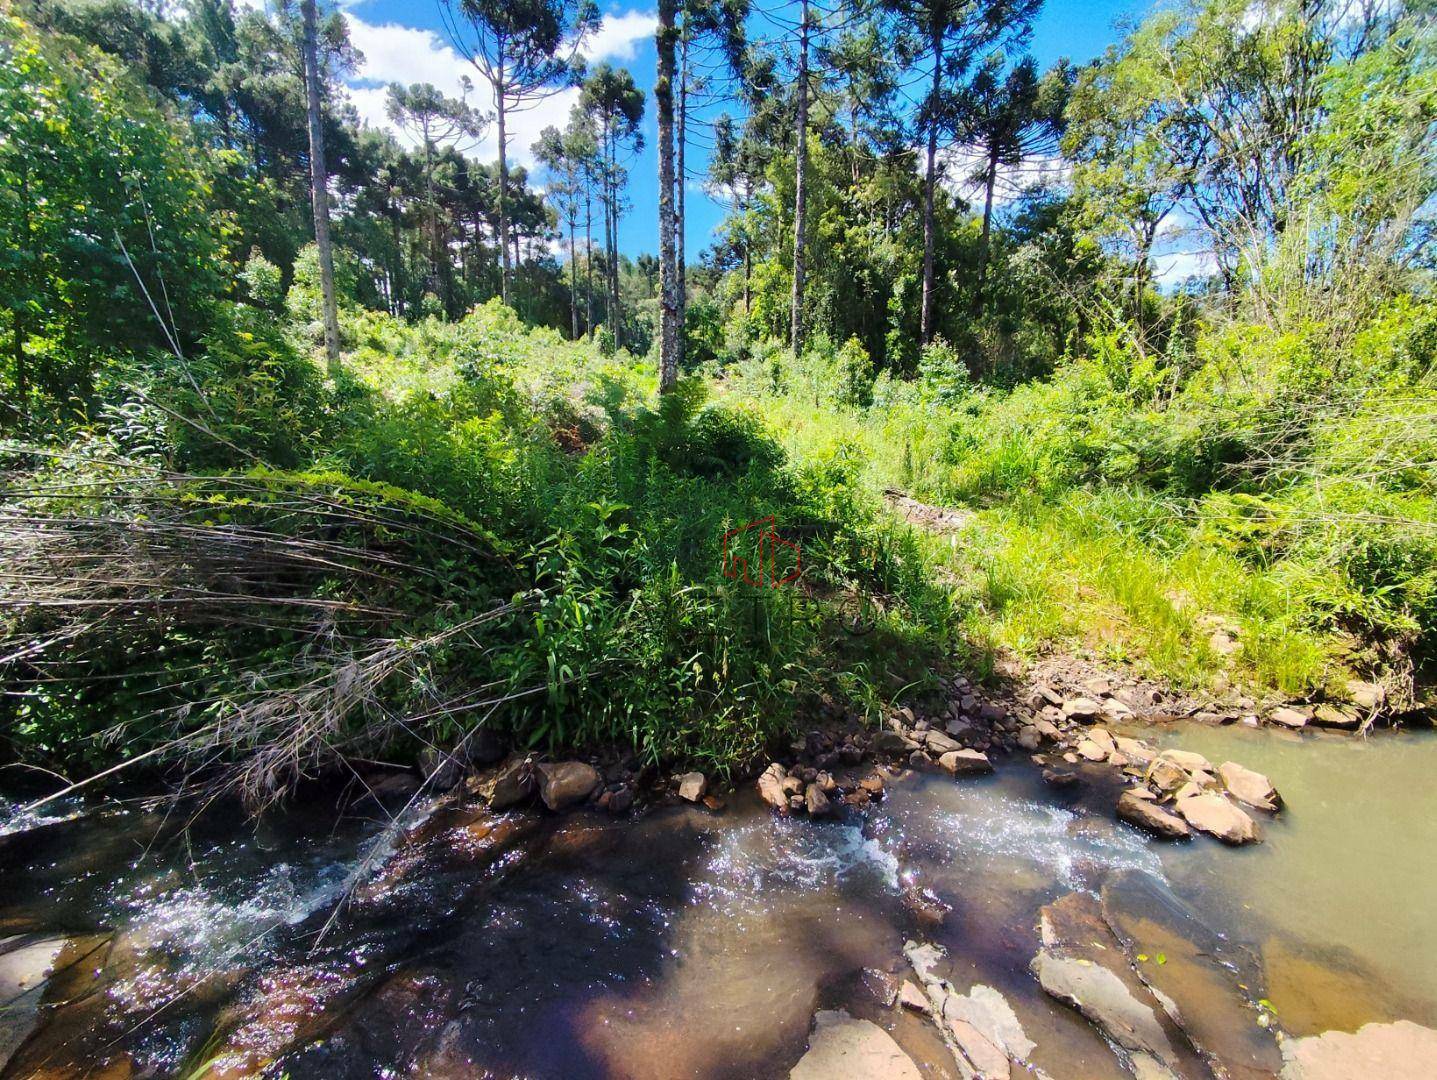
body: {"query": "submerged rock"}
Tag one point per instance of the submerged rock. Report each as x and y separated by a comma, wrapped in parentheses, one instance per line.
(841, 1046)
(564, 784)
(1249, 787)
(1150, 817)
(1203, 981)
(1083, 963)
(1213, 814)
(1397, 1051)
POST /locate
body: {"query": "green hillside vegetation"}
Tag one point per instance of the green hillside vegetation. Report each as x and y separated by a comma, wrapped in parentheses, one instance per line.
(221, 550)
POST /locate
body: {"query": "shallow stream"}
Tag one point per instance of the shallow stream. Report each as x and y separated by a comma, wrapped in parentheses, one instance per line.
(688, 943)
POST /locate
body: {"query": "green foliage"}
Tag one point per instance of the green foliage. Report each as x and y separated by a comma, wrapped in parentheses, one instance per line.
(106, 241)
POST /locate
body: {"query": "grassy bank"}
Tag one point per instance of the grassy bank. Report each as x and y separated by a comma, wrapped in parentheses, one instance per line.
(1258, 510)
(479, 525)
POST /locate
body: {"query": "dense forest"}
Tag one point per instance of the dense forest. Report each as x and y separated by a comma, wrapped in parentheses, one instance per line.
(325, 443)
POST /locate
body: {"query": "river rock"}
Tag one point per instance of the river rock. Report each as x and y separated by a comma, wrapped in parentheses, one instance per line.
(1152, 818)
(509, 785)
(1101, 996)
(1115, 709)
(1213, 814)
(940, 744)
(988, 1012)
(441, 770)
(692, 786)
(966, 762)
(1091, 751)
(1367, 696)
(1288, 717)
(1029, 737)
(620, 801)
(1186, 760)
(25, 965)
(841, 1046)
(1249, 787)
(1165, 776)
(563, 784)
(1082, 708)
(1334, 717)
(770, 787)
(816, 800)
(892, 742)
(1135, 750)
(1397, 1051)
(983, 1059)
(910, 997)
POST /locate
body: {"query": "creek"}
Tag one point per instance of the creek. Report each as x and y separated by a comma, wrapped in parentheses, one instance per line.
(687, 943)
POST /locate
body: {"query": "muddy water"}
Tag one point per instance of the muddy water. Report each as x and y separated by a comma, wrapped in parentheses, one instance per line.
(1334, 899)
(684, 943)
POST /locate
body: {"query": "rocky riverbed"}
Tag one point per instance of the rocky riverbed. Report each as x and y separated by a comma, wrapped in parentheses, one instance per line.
(941, 923)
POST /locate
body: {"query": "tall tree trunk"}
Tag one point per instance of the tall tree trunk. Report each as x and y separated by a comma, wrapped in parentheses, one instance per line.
(616, 314)
(503, 189)
(990, 181)
(681, 183)
(747, 273)
(800, 188)
(319, 187)
(22, 383)
(668, 286)
(589, 265)
(573, 280)
(925, 319)
(396, 277)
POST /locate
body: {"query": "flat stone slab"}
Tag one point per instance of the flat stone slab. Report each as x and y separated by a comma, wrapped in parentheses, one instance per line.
(1397, 1051)
(841, 1046)
(25, 966)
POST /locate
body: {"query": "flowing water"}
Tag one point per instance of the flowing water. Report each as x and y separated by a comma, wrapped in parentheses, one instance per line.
(686, 943)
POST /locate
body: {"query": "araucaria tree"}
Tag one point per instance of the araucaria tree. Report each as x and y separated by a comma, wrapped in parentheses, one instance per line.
(945, 38)
(436, 121)
(319, 183)
(525, 50)
(615, 106)
(669, 329)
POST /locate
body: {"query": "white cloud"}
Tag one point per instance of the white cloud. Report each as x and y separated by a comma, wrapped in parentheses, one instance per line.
(962, 165)
(405, 54)
(1175, 267)
(618, 36)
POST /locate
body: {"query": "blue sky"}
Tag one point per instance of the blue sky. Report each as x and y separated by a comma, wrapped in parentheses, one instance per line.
(404, 42)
